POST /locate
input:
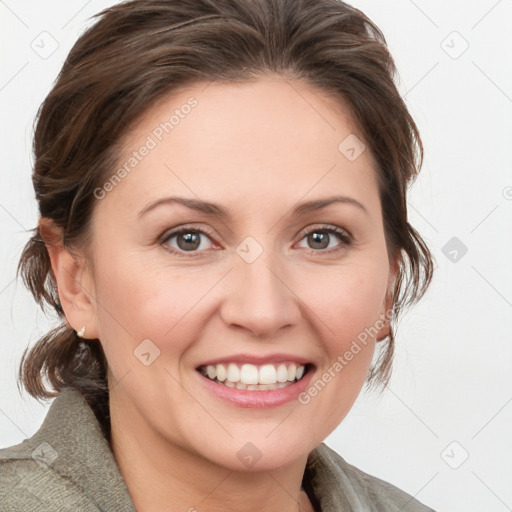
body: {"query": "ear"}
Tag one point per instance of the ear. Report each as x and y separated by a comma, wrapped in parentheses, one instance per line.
(384, 324)
(73, 279)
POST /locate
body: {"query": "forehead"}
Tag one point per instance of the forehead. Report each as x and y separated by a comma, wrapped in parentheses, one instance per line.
(261, 141)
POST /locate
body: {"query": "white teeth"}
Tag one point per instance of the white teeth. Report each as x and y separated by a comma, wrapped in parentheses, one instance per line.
(249, 374)
(255, 387)
(221, 372)
(255, 378)
(212, 372)
(282, 373)
(267, 374)
(233, 374)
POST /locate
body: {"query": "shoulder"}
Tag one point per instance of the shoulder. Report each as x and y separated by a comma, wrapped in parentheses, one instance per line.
(66, 465)
(28, 483)
(356, 487)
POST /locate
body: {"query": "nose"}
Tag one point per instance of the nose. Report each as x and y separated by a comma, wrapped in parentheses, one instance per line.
(259, 298)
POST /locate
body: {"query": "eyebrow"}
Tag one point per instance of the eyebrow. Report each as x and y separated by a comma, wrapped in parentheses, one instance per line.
(215, 210)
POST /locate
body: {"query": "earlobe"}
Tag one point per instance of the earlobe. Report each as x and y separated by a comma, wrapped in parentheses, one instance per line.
(70, 274)
(383, 323)
(387, 306)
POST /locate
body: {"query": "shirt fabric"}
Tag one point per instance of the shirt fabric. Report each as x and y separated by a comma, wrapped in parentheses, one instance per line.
(68, 466)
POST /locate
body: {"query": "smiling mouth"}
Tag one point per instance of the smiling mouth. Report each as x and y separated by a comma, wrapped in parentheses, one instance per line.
(265, 377)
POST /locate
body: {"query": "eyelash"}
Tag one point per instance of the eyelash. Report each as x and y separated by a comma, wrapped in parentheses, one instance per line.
(343, 235)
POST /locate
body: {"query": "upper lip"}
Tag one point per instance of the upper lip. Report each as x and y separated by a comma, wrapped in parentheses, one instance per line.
(256, 359)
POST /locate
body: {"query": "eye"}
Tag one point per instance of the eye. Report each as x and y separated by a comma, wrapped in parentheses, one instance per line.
(187, 240)
(193, 241)
(326, 239)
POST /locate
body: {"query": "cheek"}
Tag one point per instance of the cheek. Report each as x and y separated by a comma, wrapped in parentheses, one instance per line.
(347, 300)
(346, 307)
(138, 302)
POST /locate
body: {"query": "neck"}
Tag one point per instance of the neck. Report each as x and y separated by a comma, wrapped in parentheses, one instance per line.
(160, 473)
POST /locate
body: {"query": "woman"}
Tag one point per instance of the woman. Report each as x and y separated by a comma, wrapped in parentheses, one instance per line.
(223, 231)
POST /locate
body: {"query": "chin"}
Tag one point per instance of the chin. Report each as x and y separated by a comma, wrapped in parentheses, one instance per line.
(261, 450)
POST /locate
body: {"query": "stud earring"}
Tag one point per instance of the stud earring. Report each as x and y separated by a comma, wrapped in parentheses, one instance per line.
(81, 332)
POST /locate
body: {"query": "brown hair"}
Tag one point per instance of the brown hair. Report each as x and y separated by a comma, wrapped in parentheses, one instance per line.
(142, 50)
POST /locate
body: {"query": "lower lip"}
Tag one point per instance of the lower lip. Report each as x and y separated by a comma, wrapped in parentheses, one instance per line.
(258, 399)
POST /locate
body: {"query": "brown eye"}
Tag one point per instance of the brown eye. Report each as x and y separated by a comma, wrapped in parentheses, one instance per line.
(326, 239)
(187, 240)
(318, 240)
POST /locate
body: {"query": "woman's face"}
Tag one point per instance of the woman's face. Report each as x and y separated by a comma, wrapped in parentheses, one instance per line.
(263, 268)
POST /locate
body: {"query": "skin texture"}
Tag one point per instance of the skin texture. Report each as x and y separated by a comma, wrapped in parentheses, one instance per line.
(257, 150)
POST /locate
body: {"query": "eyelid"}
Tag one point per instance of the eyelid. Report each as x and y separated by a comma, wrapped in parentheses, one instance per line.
(327, 227)
(178, 229)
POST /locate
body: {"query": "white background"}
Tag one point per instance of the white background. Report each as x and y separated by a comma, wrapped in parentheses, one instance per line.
(452, 370)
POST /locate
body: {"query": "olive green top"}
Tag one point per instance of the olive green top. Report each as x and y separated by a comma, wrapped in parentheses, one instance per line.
(67, 465)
